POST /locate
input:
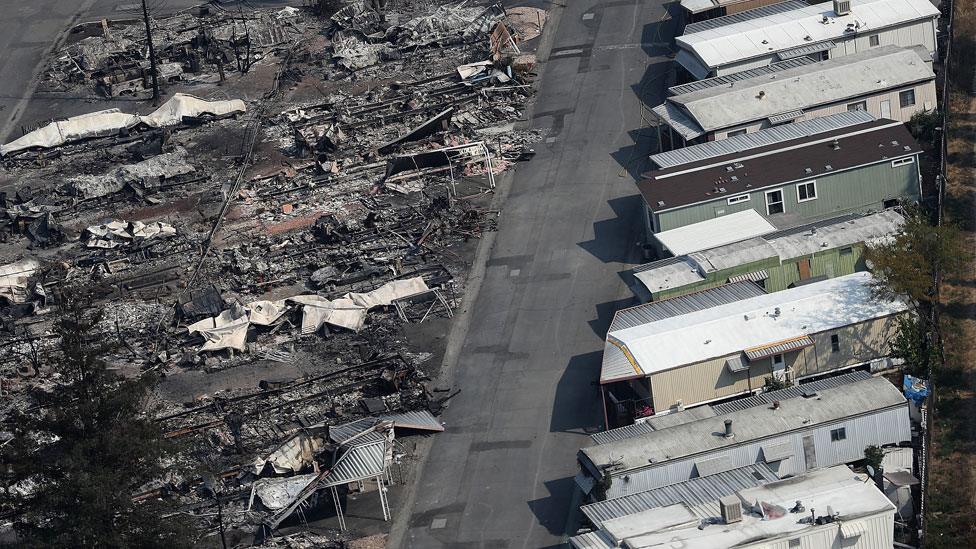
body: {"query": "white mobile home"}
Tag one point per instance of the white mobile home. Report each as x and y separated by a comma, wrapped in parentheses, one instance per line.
(759, 37)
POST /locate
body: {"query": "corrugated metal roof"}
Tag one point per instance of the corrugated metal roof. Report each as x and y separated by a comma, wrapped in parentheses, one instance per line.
(668, 308)
(419, 419)
(748, 15)
(620, 433)
(779, 134)
(678, 121)
(360, 462)
(757, 276)
(694, 492)
(713, 465)
(778, 348)
(592, 540)
(868, 72)
(680, 341)
(764, 399)
(733, 42)
(784, 117)
(807, 49)
(715, 232)
(634, 456)
(729, 79)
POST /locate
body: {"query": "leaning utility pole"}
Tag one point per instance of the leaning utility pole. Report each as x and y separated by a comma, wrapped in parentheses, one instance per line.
(152, 54)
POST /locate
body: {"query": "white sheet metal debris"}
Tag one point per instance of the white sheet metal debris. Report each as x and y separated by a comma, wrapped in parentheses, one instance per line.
(14, 278)
(292, 456)
(112, 122)
(225, 331)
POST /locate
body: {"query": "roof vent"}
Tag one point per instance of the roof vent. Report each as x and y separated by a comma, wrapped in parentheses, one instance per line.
(808, 38)
(721, 190)
(842, 7)
(762, 94)
(737, 165)
(907, 148)
(895, 143)
(835, 145)
(828, 167)
(660, 203)
(808, 170)
(825, 20)
(728, 429)
(731, 509)
(734, 178)
(765, 41)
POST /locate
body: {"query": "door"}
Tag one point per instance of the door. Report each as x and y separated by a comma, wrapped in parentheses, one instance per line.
(809, 452)
(886, 109)
(804, 266)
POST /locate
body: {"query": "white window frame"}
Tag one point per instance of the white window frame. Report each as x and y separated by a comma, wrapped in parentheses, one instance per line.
(780, 362)
(815, 195)
(903, 161)
(738, 199)
(782, 200)
(855, 104)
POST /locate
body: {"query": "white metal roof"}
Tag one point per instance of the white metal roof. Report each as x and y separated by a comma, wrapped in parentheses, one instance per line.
(726, 329)
(853, 499)
(743, 40)
(782, 245)
(703, 439)
(831, 81)
(768, 136)
(715, 232)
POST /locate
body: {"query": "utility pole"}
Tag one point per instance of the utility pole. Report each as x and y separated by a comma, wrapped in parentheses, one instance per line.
(152, 54)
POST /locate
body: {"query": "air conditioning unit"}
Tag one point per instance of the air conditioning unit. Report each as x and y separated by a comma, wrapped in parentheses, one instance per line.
(731, 509)
(880, 365)
(842, 7)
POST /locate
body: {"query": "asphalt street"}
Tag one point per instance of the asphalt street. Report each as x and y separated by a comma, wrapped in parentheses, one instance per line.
(501, 476)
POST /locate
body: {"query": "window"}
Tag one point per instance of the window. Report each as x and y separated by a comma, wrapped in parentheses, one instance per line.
(837, 435)
(737, 132)
(906, 98)
(806, 191)
(737, 199)
(777, 361)
(834, 343)
(902, 161)
(846, 251)
(859, 106)
(796, 542)
(774, 202)
(874, 40)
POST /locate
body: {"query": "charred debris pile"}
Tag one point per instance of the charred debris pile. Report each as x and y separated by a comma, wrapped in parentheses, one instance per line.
(284, 239)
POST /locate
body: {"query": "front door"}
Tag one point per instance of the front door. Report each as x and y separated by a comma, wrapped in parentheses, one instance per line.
(886, 109)
(809, 452)
(804, 266)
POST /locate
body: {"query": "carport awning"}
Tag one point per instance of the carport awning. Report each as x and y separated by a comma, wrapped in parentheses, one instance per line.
(778, 348)
(757, 276)
(808, 49)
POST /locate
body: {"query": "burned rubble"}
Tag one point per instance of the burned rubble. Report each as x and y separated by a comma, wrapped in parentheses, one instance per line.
(284, 240)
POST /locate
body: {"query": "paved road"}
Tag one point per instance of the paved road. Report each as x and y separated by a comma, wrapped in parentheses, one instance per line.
(501, 475)
(28, 32)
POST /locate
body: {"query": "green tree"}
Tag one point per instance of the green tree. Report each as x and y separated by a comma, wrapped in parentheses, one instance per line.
(873, 457)
(912, 345)
(904, 265)
(77, 460)
(923, 125)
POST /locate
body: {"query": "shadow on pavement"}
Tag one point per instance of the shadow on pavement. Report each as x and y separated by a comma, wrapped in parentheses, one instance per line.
(614, 239)
(552, 511)
(576, 407)
(604, 315)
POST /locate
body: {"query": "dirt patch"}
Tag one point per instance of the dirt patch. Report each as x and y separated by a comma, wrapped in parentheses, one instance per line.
(952, 489)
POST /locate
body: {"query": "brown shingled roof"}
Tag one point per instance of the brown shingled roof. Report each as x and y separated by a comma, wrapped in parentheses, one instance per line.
(776, 164)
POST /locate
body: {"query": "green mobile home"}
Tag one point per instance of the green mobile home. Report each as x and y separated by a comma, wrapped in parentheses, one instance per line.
(861, 168)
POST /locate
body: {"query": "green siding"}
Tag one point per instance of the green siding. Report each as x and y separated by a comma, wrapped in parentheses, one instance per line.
(829, 263)
(861, 189)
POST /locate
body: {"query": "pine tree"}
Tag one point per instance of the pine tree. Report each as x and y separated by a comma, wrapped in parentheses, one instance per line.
(77, 460)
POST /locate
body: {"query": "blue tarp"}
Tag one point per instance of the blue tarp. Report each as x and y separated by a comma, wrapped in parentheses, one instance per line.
(916, 389)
